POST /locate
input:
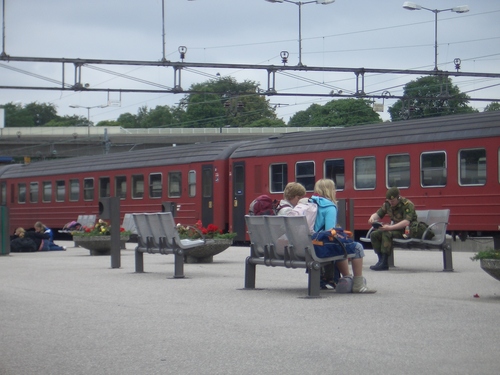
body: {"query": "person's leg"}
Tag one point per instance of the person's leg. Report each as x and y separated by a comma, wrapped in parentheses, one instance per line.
(376, 238)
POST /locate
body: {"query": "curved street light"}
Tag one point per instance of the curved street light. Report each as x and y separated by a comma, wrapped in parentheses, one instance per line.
(299, 4)
(458, 9)
(88, 112)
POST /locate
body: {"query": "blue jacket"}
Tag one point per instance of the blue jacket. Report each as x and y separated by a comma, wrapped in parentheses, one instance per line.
(326, 218)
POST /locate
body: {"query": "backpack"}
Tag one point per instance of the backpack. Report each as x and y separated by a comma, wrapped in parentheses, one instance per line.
(263, 205)
(333, 242)
(306, 208)
(23, 245)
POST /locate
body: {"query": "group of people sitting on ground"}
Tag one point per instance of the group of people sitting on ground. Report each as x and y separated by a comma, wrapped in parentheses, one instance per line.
(40, 238)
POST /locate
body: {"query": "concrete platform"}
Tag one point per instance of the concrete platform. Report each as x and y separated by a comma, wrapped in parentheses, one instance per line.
(70, 313)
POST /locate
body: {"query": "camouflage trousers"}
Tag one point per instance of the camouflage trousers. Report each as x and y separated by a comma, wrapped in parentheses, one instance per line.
(382, 240)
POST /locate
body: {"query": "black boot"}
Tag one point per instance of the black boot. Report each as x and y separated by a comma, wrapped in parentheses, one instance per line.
(383, 265)
(379, 260)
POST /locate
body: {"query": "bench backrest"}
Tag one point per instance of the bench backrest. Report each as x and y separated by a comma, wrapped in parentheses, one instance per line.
(258, 233)
(299, 236)
(144, 230)
(87, 220)
(422, 215)
(440, 220)
(129, 224)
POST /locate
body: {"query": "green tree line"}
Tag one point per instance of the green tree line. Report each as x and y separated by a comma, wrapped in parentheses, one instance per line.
(225, 102)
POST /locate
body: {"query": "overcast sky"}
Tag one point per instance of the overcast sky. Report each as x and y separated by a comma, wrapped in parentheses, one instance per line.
(347, 33)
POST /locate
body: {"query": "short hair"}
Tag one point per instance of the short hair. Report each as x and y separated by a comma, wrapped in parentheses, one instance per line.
(326, 188)
(294, 189)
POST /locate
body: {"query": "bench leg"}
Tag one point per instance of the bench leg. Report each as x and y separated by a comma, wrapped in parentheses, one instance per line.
(250, 270)
(139, 261)
(178, 265)
(314, 276)
(447, 258)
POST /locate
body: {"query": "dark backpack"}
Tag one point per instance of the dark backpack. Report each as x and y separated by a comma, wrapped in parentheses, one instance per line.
(263, 205)
(23, 245)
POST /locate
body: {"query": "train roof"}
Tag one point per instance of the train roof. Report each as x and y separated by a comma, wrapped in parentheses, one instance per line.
(435, 129)
(185, 154)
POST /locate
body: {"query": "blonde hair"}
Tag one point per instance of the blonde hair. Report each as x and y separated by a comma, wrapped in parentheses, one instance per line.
(20, 232)
(294, 189)
(40, 227)
(326, 188)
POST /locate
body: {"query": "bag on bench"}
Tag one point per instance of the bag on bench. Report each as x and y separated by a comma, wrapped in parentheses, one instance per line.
(330, 243)
(418, 228)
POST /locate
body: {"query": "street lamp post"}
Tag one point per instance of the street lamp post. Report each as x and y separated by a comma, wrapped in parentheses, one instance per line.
(88, 112)
(459, 9)
(299, 4)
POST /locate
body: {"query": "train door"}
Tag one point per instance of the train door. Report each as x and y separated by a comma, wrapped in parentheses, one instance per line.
(239, 205)
(207, 199)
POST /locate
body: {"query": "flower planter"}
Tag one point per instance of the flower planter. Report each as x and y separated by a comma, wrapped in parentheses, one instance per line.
(98, 245)
(491, 267)
(205, 253)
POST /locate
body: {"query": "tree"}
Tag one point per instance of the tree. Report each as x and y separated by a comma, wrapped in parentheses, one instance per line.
(341, 112)
(69, 121)
(108, 123)
(430, 96)
(127, 120)
(224, 101)
(493, 106)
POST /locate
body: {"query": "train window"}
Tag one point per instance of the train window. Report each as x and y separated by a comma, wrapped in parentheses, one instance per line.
(398, 170)
(433, 168)
(279, 177)
(155, 185)
(3, 189)
(33, 192)
(472, 164)
(364, 173)
(74, 190)
(60, 191)
(335, 170)
(239, 179)
(47, 191)
(21, 193)
(305, 174)
(207, 182)
(138, 186)
(192, 183)
(121, 187)
(88, 189)
(174, 184)
(104, 187)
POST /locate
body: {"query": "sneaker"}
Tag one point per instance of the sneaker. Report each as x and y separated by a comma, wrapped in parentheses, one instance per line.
(64, 248)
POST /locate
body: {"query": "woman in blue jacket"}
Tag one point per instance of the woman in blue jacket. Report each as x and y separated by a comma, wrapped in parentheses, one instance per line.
(326, 218)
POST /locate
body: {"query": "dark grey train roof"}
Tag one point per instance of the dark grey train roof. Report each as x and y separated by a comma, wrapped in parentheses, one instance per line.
(204, 152)
(486, 124)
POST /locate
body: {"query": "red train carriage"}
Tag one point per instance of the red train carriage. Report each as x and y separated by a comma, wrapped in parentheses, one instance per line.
(192, 177)
(444, 162)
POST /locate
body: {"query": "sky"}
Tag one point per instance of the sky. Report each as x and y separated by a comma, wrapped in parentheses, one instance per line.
(347, 33)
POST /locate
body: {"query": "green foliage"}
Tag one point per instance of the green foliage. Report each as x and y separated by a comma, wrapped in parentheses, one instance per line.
(32, 114)
(342, 112)
(487, 254)
(69, 121)
(493, 106)
(108, 123)
(430, 96)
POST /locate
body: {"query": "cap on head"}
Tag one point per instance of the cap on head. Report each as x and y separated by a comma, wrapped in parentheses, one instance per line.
(392, 193)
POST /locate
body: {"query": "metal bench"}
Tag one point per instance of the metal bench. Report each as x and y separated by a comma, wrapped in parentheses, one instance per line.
(437, 220)
(157, 234)
(284, 241)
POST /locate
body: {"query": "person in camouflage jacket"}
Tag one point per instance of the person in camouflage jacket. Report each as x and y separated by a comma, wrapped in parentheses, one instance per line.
(401, 211)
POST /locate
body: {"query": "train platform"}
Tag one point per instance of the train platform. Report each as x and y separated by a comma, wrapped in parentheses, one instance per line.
(66, 312)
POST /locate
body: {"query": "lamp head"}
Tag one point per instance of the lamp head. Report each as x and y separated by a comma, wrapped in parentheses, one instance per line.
(411, 6)
(324, 2)
(460, 9)
(275, 1)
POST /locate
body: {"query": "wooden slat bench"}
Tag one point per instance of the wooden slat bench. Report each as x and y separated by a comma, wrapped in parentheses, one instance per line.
(157, 234)
(437, 220)
(284, 241)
